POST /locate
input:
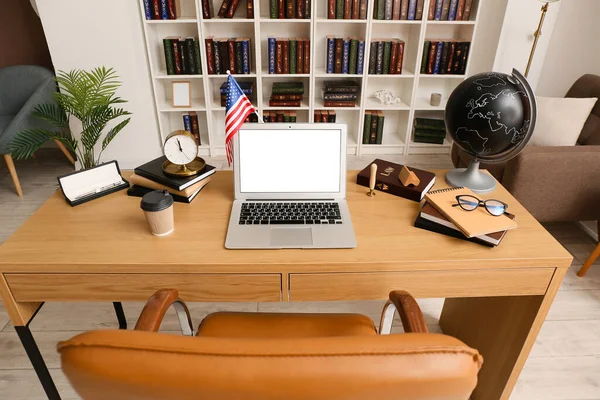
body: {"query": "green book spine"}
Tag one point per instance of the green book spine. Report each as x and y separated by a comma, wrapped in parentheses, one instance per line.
(380, 9)
(425, 139)
(372, 57)
(169, 56)
(285, 90)
(430, 133)
(430, 124)
(380, 118)
(197, 54)
(339, 9)
(353, 55)
(239, 61)
(367, 128)
(191, 55)
(293, 56)
(273, 13)
(387, 51)
(286, 118)
(425, 55)
(293, 117)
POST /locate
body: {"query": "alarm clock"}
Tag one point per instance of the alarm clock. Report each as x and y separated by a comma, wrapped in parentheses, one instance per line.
(181, 150)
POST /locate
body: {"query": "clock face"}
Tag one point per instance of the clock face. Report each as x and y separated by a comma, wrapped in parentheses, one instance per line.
(181, 149)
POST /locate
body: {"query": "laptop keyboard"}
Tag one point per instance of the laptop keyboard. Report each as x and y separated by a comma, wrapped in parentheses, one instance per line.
(288, 213)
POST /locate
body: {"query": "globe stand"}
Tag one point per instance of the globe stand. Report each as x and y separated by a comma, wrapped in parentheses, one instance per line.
(472, 178)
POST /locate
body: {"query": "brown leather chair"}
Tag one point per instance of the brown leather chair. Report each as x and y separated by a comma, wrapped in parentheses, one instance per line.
(263, 356)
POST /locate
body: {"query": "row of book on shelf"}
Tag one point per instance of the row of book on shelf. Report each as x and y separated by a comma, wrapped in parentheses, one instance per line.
(247, 89)
(340, 93)
(280, 116)
(325, 116)
(345, 55)
(445, 57)
(289, 56)
(347, 9)
(231, 54)
(162, 9)
(439, 10)
(182, 55)
(373, 127)
(429, 130)
(227, 9)
(386, 57)
(286, 94)
(289, 9)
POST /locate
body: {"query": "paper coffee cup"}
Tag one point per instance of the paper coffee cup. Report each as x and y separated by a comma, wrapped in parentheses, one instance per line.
(158, 209)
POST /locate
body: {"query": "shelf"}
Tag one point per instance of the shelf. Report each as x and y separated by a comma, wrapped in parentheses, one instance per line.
(319, 106)
(396, 21)
(216, 106)
(224, 76)
(267, 75)
(197, 105)
(341, 21)
(285, 20)
(422, 104)
(392, 76)
(450, 22)
(228, 20)
(183, 20)
(321, 73)
(375, 104)
(441, 76)
(162, 74)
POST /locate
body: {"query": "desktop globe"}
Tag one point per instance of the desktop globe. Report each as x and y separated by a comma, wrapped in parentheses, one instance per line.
(491, 116)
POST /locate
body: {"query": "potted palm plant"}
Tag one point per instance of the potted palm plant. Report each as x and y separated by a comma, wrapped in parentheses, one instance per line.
(88, 96)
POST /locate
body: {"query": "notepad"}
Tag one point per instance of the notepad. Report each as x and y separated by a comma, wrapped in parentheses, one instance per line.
(471, 223)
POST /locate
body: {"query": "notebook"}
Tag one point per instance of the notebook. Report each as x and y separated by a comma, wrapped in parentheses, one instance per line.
(471, 223)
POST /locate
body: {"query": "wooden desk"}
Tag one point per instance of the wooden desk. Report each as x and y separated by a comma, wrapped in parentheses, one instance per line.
(496, 299)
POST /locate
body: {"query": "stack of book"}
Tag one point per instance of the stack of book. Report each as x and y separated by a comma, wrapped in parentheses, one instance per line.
(325, 116)
(289, 56)
(227, 9)
(280, 116)
(449, 10)
(386, 57)
(162, 9)
(373, 127)
(286, 94)
(398, 9)
(150, 176)
(429, 130)
(182, 55)
(224, 54)
(445, 57)
(247, 88)
(345, 56)
(347, 9)
(190, 124)
(280, 9)
(340, 93)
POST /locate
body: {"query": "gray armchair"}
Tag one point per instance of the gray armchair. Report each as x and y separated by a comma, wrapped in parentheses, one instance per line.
(22, 88)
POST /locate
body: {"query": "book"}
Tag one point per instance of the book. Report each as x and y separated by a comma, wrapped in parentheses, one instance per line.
(471, 223)
(430, 123)
(300, 57)
(438, 57)
(239, 63)
(140, 191)
(147, 9)
(451, 51)
(293, 56)
(438, 9)
(400, 58)
(347, 9)
(306, 67)
(331, 9)
(387, 50)
(279, 57)
(425, 55)
(164, 9)
(444, 62)
(387, 13)
(245, 86)
(339, 9)
(339, 49)
(339, 103)
(306, 9)
(419, 13)
(156, 14)
(355, 9)
(284, 103)
(430, 133)
(250, 9)
(396, 9)
(431, 10)
(467, 12)
(246, 56)
(360, 60)
(428, 140)
(362, 13)
(287, 88)
(412, 10)
(191, 55)
(457, 58)
(169, 62)
(330, 54)
(366, 127)
(452, 10)
(372, 56)
(289, 8)
(353, 56)
(207, 9)
(285, 49)
(460, 10)
(223, 9)
(379, 59)
(232, 8)
(183, 55)
(197, 55)
(195, 127)
(271, 50)
(339, 96)
(393, 56)
(272, 9)
(224, 54)
(300, 9)
(345, 86)
(373, 130)
(404, 9)
(445, 10)
(387, 180)
(380, 121)
(210, 60)
(217, 55)
(428, 225)
(231, 56)
(138, 180)
(465, 57)
(431, 57)
(345, 56)
(286, 97)
(379, 9)
(171, 9)
(153, 171)
(187, 123)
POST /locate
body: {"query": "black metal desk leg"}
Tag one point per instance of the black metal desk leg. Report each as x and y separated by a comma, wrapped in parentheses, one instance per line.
(120, 314)
(33, 352)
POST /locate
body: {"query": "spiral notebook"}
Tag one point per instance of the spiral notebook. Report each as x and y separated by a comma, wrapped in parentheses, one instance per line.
(471, 223)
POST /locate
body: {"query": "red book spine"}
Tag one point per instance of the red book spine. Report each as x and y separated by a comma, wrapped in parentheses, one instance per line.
(171, 9)
(324, 116)
(286, 103)
(347, 9)
(431, 12)
(300, 9)
(289, 8)
(224, 7)
(337, 61)
(272, 116)
(329, 103)
(231, 52)
(280, 9)
(250, 9)
(355, 8)
(396, 9)
(279, 57)
(286, 56)
(279, 115)
(331, 9)
(176, 57)
(460, 10)
(231, 10)
(400, 58)
(156, 9)
(206, 9)
(286, 97)
(210, 58)
(431, 59)
(306, 56)
(299, 57)
(451, 50)
(394, 56)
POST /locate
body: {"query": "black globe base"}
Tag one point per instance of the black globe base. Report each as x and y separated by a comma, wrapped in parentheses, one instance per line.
(472, 178)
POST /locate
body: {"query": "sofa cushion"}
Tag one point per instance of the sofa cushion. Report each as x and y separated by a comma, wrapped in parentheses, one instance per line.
(560, 120)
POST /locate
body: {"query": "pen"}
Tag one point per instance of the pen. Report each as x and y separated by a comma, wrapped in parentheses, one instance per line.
(98, 190)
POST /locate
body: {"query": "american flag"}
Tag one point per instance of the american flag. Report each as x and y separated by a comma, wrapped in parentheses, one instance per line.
(237, 107)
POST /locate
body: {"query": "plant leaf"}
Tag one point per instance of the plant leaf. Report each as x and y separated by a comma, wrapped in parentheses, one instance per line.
(27, 142)
(113, 132)
(52, 113)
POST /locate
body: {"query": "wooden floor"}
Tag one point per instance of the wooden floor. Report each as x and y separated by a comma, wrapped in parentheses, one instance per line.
(564, 363)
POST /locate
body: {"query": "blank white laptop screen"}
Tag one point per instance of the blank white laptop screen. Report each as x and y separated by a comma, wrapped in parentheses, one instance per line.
(289, 161)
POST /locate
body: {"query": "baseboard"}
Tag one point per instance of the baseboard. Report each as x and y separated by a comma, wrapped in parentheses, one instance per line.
(591, 232)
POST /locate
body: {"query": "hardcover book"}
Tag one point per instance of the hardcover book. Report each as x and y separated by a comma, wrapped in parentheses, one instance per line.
(224, 52)
(231, 55)
(467, 12)
(210, 60)
(246, 56)
(460, 10)
(195, 127)
(400, 59)
(224, 7)
(331, 9)
(273, 9)
(239, 63)
(339, 9)
(250, 9)
(164, 9)
(176, 56)
(147, 9)
(380, 121)
(451, 51)
(438, 58)
(396, 9)
(232, 8)
(306, 67)
(285, 48)
(355, 8)
(379, 59)
(425, 55)
(171, 9)
(362, 14)
(465, 57)
(380, 9)
(217, 55)
(387, 51)
(279, 56)
(140, 191)
(300, 57)
(338, 103)
(360, 60)
(187, 123)
(453, 10)
(438, 9)
(197, 55)
(346, 56)
(412, 9)
(366, 127)
(372, 57)
(168, 48)
(280, 9)
(373, 132)
(289, 9)
(457, 58)
(419, 14)
(404, 9)
(431, 11)
(185, 68)
(445, 9)
(431, 57)
(353, 55)
(394, 57)
(387, 180)
(271, 44)
(340, 86)
(293, 56)
(153, 171)
(347, 9)
(339, 49)
(156, 9)
(388, 10)
(330, 54)
(444, 62)
(191, 55)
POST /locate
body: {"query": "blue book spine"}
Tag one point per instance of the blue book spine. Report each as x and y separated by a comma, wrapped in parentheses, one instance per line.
(438, 9)
(330, 54)
(412, 9)
(452, 10)
(164, 9)
(147, 9)
(360, 60)
(272, 55)
(438, 58)
(246, 56)
(187, 123)
(346, 57)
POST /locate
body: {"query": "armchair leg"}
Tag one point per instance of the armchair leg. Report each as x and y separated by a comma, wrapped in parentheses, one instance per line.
(13, 173)
(592, 258)
(65, 151)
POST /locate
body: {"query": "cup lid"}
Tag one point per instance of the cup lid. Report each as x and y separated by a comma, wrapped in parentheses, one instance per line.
(156, 200)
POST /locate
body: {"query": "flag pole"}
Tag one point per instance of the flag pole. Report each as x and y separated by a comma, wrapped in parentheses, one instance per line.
(260, 118)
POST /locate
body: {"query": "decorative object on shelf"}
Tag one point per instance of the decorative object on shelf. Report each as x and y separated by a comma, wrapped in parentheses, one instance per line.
(228, 54)
(347, 9)
(387, 97)
(88, 96)
(345, 56)
(282, 9)
(289, 56)
(158, 210)
(373, 127)
(435, 99)
(372, 180)
(89, 184)
(429, 130)
(182, 94)
(408, 177)
(182, 55)
(340, 93)
(491, 116)
(386, 57)
(538, 33)
(445, 58)
(449, 10)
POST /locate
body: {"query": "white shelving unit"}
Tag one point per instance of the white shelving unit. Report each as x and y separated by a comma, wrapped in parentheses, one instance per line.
(412, 87)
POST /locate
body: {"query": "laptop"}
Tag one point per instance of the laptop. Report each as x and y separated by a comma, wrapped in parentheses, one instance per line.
(290, 188)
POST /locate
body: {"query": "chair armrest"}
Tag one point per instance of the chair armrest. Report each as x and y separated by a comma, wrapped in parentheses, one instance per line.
(409, 311)
(156, 307)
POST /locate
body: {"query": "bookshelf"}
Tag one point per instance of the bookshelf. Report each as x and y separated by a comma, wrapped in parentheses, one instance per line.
(413, 88)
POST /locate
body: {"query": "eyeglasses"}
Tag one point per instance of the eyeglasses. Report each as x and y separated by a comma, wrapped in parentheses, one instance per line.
(470, 203)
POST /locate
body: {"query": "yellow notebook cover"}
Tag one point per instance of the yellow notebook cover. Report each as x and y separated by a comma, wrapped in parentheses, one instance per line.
(472, 223)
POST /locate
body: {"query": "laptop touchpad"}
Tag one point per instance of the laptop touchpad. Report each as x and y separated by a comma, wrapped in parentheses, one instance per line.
(291, 237)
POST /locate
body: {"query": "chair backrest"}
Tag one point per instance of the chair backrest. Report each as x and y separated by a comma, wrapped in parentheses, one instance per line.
(588, 86)
(17, 84)
(121, 365)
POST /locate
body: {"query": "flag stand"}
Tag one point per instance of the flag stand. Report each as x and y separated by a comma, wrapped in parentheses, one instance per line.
(260, 118)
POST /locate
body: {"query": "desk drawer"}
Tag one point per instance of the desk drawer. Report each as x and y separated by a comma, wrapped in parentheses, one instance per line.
(461, 283)
(139, 287)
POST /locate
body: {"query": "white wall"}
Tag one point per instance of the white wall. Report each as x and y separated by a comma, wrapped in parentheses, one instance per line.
(575, 50)
(85, 34)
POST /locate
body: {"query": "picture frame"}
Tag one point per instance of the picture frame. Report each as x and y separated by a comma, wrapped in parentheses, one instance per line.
(182, 94)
